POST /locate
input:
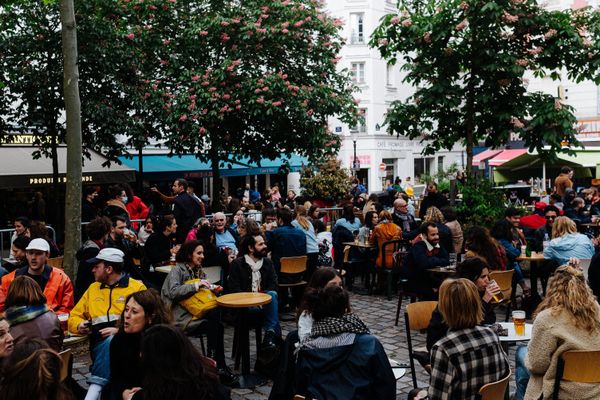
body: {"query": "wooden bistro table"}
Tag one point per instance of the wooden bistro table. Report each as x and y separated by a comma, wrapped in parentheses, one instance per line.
(535, 259)
(364, 245)
(243, 301)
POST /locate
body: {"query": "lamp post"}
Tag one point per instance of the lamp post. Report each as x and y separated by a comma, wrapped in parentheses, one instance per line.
(355, 162)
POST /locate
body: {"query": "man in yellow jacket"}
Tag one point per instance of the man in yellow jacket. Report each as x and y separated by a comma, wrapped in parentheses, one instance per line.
(97, 312)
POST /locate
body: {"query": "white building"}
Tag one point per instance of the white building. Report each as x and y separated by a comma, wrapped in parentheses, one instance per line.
(379, 85)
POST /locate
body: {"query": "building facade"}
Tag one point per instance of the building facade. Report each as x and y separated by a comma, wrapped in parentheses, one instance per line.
(380, 155)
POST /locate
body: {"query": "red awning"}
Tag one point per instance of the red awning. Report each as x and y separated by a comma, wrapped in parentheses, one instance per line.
(506, 156)
(484, 155)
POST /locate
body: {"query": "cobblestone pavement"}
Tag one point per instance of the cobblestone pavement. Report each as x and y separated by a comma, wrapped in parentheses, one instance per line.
(376, 311)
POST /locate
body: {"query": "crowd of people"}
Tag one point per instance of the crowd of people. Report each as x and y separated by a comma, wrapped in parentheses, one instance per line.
(139, 321)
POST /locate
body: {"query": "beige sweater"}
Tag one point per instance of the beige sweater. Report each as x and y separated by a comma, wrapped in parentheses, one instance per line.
(553, 335)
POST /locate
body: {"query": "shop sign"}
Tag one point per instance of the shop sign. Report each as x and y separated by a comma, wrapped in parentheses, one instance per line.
(61, 179)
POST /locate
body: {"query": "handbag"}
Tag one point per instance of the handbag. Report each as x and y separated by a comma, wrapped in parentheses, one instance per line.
(201, 302)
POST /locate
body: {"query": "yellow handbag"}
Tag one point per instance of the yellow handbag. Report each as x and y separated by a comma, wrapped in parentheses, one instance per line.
(200, 303)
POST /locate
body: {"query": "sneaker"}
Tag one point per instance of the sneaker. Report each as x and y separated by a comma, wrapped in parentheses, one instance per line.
(269, 349)
(226, 376)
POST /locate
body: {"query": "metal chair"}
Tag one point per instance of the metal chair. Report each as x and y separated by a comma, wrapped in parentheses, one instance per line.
(577, 366)
(504, 279)
(495, 390)
(417, 317)
(394, 252)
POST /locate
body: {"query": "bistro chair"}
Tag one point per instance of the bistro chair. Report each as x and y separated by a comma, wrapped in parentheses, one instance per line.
(293, 266)
(577, 366)
(66, 364)
(495, 390)
(56, 262)
(393, 252)
(417, 317)
(350, 266)
(504, 279)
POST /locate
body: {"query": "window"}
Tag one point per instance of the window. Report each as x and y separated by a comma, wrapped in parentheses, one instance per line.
(389, 75)
(357, 71)
(440, 166)
(362, 127)
(357, 33)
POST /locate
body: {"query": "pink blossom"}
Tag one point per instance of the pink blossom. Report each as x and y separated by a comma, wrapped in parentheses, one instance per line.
(509, 17)
(164, 62)
(284, 31)
(195, 78)
(146, 95)
(276, 103)
(587, 42)
(155, 87)
(310, 112)
(130, 36)
(225, 37)
(383, 42)
(264, 16)
(205, 83)
(152, 7)
(166, 42)
(462, 25)
(285, 25)
(286, 2)
(260, 100)
(257, 91)
(202, 130)
(238, 107)
(183, 118)
(298, 24)
(203, 33)
(261, 30)
(226, 96)
(301, 7)
(582, 31)
(224, 109)
(406, 23)
(427, 37)
(516, 122)
(295, 88)
(212, 89)
(265, 89)
(192, 106)
(264, 9)
(224, 23)
(551, 33)
(557, 104)
(521, 62)
(237, 102)
(336, 60)
(338, 22)
(236, 20)
(395, 20)
(535, 50)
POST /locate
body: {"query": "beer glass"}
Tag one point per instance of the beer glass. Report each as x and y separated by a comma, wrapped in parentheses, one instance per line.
(519, 321)
(499, 296)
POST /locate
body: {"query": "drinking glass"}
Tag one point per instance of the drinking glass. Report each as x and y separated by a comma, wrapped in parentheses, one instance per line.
(497, 297)
(452, 260)
(519, 321)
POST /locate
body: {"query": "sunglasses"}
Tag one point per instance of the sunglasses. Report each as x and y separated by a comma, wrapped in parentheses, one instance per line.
(550, 217)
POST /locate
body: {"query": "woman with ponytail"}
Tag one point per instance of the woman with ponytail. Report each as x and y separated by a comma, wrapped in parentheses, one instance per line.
(567, 319)
(312, 246)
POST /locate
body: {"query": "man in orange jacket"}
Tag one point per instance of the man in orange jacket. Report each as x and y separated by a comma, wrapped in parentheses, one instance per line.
(55, 284)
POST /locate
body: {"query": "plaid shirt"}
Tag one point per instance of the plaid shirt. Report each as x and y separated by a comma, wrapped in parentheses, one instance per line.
(465, 360)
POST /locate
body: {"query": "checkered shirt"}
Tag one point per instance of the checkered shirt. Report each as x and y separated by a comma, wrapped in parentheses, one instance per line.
(465, 360)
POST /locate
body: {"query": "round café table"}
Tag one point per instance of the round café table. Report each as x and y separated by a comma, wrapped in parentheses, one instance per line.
(512, 337)
(243, 301)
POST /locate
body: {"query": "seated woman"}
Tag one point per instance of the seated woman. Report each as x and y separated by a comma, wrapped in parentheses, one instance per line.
(7, 343)
(29, 316)
(469, 356)
(476, 270)
(341, 359)
(479, 243)
(159, 245)
(172, 368)
(384, 231)
(502, 231)
(146, 230)
(567, 243)
(142, 310)
(348, 220)
(371, 219)
(18, 253)
(175, 289)
(567, 319)
(33, 372)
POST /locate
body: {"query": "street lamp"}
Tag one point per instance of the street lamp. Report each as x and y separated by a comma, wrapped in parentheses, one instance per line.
(355, 162)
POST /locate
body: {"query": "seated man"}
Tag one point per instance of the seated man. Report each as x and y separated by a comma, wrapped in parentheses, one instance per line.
(225, 237)
(97, 312)
(254, 272)
(159, 247)
(55, 284)
(423, 255)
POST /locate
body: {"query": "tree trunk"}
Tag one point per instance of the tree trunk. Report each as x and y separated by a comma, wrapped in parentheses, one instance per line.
(56, 206)
(217, 183)
(74, 141)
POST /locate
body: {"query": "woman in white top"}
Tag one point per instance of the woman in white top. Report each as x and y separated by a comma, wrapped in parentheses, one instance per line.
(145, 231)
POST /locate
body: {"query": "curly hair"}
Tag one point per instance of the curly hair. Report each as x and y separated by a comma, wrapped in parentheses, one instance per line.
(480, 242)
(563, 226)
(434, 214)
(569, 292)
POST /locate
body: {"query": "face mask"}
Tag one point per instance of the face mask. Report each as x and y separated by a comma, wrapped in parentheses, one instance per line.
(124, 199)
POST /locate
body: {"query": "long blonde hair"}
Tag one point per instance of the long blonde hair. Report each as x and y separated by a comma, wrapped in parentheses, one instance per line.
(434, 214)
(563, 226)
(568, 292)
(301, 217)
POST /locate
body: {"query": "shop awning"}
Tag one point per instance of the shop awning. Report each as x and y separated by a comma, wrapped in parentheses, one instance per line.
(505, 156)
(484, 155)
(19, 169)
(189, 166)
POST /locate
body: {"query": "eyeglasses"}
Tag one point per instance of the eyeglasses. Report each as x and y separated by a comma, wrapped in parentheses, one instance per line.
(549, 217)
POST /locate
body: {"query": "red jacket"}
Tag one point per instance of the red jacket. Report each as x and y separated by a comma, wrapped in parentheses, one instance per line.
(137, 209)
(58, 290)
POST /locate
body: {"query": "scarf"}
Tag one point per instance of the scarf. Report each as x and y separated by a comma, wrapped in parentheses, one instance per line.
(349, 323)
(19, 314)
(405, 218)
(255, 266)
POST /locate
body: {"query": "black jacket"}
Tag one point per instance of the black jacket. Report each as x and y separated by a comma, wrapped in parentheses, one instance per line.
(125, 362)
(186, 213)
(432, 199)
(357, 371)
(157, 249)
(240, 276)
(594, 275)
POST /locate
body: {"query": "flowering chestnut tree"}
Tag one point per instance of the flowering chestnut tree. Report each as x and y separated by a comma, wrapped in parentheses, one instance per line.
(252, 79)
(467, 60)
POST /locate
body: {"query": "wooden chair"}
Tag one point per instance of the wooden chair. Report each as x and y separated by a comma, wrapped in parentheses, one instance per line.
(417, 317)
(56, 262)
(293, 266)
(495, 390)
(504, 279)
(577, 366)
(66, 364)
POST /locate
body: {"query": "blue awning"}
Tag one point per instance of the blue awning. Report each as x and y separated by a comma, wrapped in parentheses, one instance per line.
(189, 163)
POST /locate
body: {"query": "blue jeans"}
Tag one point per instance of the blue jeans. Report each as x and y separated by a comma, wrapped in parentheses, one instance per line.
(271, 314)
(101, 363)
(521, 373)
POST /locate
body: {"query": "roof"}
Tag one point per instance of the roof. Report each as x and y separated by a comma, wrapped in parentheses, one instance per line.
(505, 156)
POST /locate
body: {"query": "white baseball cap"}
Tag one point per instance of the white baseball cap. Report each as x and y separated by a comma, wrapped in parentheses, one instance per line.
(38, 244)
(109, 254)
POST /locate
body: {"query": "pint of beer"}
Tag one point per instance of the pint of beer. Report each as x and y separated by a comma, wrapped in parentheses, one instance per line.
(519, 321)
(498, 296)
